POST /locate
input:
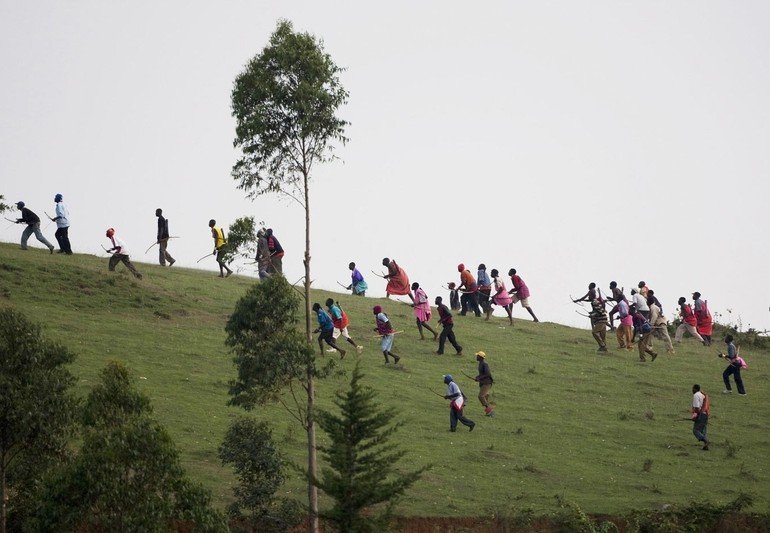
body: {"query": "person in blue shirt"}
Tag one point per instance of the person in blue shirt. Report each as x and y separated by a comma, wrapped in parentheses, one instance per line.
(326, 330)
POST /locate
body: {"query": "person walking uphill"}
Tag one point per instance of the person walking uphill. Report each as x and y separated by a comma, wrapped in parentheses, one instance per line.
(422, 312)
(62, 220)
(470, 291)
(163, 237)
(357, 284)
(485, 289)
(447, 326)
(121, 254)
(734, 368)
(500, 295)
(598, 317)
(33, 226)
(701, 405)
(703, 318)
(520, 292)
(689, 321)
(456, 403)
(220, 248)
(341, 322)
(484, 379)
(276, 253)
(387, 333)
(326, 330)
(398, 281)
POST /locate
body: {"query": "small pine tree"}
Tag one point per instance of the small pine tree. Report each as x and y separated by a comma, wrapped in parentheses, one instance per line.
(361, 470)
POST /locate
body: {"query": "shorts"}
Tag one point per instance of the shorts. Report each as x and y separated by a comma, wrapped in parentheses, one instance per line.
(343, 332)
(327, 335)
(524, 301)
(386, 344)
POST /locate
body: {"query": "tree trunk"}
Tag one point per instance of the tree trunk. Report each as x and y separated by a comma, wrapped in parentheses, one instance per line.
(4, 495)
(312, 490)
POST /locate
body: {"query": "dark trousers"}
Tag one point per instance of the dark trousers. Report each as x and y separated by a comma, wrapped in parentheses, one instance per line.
(736, 371)
(699, 427)
(448, 333)
(470, 300)
(62, 237)
(122, 258)
(455, 415)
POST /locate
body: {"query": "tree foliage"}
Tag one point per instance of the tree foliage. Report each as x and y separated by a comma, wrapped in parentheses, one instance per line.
(36, 410)
(361, 470)
(126, 475)
(3, 206)
(270, 353)
(249, 447)
(241, 239)
(285, 103)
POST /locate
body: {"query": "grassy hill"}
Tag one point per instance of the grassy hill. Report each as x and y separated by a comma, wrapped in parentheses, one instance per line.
(604, 432)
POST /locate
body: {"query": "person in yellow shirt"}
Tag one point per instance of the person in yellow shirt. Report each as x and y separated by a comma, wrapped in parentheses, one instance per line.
(220, 248)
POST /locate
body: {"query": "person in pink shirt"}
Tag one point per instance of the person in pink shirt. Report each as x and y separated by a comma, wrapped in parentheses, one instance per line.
(625, 331)
(500, 295)
(421, 310)
(520, 292)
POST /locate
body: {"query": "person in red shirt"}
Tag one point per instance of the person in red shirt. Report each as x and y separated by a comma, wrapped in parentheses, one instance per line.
(470, 291)
(689, 321)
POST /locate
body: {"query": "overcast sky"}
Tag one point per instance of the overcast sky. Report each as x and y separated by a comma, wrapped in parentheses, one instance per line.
(574, 141)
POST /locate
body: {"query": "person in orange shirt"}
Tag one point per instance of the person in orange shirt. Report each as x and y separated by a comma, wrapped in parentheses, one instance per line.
(470, 291)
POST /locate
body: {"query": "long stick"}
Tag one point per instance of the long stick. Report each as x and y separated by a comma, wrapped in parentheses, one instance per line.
(391, 333)
(11, 220)
(378, 275)
(436, 393)
(582, 314)
(204, 257)
(467, 376)
(343, 286)
(150, 248)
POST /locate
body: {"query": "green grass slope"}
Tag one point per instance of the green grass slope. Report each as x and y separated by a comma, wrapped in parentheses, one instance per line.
(604, 432)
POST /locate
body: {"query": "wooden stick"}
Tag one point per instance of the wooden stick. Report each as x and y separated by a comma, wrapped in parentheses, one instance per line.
(467, 376)
(436, 393)
(150, 248)
(378, 275)
(343, 286)
(393, 333)
(204, 257)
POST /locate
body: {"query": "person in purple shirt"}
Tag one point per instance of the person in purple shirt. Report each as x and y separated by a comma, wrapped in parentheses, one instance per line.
(357, 285)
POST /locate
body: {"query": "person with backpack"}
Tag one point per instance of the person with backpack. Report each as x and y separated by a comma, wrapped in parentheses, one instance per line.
(704, 323)
(422, 312)
(341, 322)
(276, 253)
(701, 405)
(734, 368)
(33, 226)
(689, 321)
(456, 402)
(220, 248)
(326, 330)
(447, 326)
(386, 332)
(163, 237)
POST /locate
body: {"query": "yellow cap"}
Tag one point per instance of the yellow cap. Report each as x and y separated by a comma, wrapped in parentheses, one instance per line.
(481, 354)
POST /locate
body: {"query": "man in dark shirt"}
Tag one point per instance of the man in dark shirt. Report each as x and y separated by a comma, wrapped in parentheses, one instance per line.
(447, 325)
(33, 226)
(163, 237)
(485, 381)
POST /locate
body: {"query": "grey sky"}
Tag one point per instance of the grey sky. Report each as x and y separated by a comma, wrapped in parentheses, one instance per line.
(574, 141)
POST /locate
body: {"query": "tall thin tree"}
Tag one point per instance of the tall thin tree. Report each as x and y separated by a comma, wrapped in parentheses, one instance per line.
(285, 103)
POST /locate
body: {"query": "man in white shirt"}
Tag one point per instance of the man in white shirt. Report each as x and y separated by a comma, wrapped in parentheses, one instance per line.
(120, 254)
(457, 401)
(700, 415)
(62, 220)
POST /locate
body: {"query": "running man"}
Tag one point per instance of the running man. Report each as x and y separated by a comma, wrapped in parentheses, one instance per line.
(341, 322)
(520, 292)
(357, 284)
(387, 333)
(590, 296)
(457, 400)
(485, 289)
(500, 296)
(398, 281)
(120, 255)
(33, 226)
(326, 330)
(689, 321)
(598, 317)
(485, 381)
(703, 317)
(422, 312)
(447, 327)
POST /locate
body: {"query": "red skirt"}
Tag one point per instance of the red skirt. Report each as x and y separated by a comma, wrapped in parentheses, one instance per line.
(399, 284)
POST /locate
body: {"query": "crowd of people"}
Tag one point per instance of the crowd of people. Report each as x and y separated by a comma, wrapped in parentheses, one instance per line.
(640, 318)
